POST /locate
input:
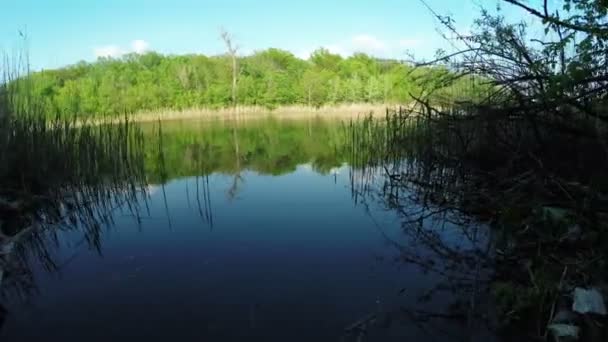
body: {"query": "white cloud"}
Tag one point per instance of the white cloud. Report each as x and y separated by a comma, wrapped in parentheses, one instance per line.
(372, 45)
(140, 46)
(137, 46)
(246, 51)
(339, 49)
(108, 51)
(368, 44)
(303, 53)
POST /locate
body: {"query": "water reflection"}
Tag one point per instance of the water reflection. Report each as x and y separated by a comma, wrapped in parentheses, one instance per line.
(272, 146)
(103, 173)
(450, 248)
(396, 170)
(263, 241)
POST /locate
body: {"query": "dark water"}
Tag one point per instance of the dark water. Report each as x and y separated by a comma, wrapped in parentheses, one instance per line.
(267, 243)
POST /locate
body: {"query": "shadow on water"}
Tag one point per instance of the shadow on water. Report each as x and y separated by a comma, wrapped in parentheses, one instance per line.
(393, 168)
(115, 170)
(72, 179)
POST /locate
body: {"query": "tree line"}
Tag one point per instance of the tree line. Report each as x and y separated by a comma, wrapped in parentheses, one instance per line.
(269, 78)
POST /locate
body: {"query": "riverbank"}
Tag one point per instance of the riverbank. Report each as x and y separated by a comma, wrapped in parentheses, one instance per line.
(345, 112)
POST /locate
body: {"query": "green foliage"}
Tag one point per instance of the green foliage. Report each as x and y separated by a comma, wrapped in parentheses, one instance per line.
(270, 78)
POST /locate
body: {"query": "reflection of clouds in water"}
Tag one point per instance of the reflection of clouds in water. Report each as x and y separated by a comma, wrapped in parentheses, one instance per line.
(305, 167)
(344, 167)
(151, 189)
(320, 170)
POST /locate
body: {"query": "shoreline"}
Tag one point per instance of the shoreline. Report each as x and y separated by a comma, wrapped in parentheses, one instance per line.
(350, 111)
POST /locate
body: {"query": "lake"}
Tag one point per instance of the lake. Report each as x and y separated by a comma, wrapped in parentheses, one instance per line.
(261, 231)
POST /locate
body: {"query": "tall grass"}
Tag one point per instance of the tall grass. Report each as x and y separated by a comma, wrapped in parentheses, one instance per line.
(39, 154)
(58, 174)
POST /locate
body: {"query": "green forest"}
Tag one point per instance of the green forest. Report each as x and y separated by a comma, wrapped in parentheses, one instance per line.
(269, 78)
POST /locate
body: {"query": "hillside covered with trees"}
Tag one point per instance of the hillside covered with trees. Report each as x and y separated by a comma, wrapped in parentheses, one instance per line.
(269, 78)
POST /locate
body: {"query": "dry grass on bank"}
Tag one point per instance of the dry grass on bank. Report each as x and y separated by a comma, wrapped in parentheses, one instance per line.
(255, 112)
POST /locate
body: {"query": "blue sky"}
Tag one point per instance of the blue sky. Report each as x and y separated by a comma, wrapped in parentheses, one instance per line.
(65, 31)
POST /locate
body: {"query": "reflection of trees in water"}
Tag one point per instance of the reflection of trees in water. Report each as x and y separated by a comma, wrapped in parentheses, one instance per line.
(103, 174)
(437, 237)
(267, 146)
(88, 211)
(237, 178)
(235, 186)
(196, 153)
(88, 206)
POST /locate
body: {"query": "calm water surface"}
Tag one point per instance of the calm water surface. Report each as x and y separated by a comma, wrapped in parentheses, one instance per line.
(266, 243)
